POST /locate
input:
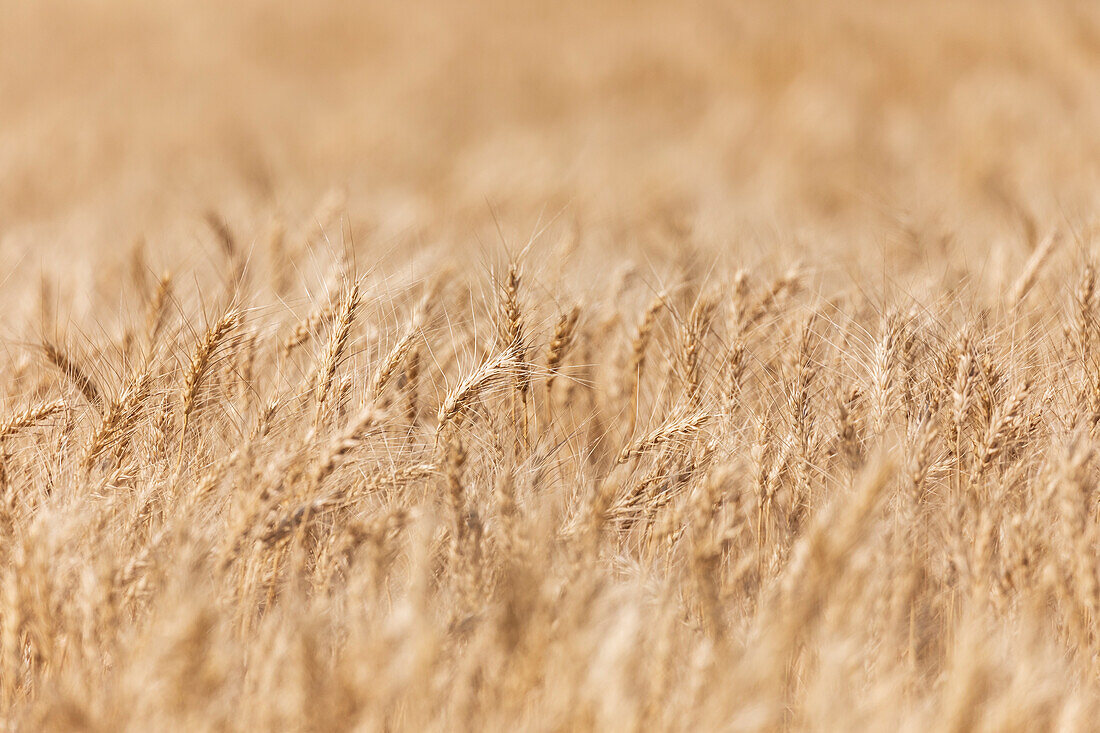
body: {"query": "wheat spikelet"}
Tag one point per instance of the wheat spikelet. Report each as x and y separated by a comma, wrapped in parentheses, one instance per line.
(30, 416)
(121, 415)
(158, 308)
(199, 367)
(1027, 278)
(305, 328)
(399, 353)
(558, 349)
(1006, 420)
(638, 349)
(849, 427)
(693, 334)
(221, 230)
(780, 288)
(338, 342)
(475, 384)
(884, 364)
(410, 385)
(367, 420)
(73, 373)
(1085, 297)
(456, 493)
(510, 336)
(677, 428)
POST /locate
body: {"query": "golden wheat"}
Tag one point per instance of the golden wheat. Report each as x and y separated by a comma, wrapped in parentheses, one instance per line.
(573, 366)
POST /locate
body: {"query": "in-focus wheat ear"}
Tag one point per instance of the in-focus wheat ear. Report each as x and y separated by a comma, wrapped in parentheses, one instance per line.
(511, 337)
(400, 352)
(335, 350)
(693, 335)
(677, 428)
(199, 368)
(558, 349)
(466, 393)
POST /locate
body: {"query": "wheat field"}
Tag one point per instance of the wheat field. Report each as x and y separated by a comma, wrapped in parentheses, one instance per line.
(627, 366)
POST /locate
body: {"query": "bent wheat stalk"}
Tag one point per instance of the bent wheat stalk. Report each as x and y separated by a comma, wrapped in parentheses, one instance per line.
(470, 389)
(29, 416)
(678, 428)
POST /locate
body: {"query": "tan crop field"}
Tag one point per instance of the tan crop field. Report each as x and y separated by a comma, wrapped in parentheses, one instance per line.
(511, 365)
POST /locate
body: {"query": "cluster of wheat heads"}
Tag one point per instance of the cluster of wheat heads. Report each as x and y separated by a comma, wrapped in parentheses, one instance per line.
(486, 498)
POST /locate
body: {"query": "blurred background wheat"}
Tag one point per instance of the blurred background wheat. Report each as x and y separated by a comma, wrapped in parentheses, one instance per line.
(574, 366)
